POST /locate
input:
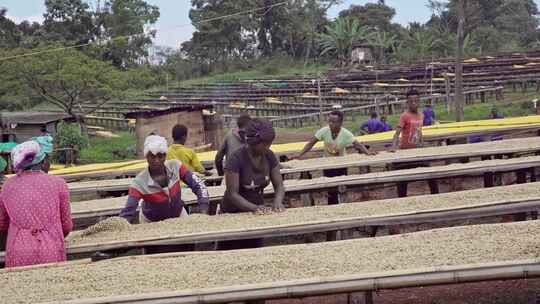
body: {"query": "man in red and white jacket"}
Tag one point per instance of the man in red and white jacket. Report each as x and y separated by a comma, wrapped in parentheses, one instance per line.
(159, 186)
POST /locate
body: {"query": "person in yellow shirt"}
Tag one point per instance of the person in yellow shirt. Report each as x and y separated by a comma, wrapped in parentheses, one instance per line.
(182, 153)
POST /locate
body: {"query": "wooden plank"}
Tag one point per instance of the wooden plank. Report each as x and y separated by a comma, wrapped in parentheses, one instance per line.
(522, 269)
(102, 207)
(465, 249)
(439, 153)
(421, 216)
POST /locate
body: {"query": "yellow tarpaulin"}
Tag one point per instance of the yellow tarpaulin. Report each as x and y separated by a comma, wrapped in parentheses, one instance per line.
(272, 100)
(437, 130)
(340, 91)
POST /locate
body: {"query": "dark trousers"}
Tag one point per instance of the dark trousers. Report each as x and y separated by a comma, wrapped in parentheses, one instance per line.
(333, 196)
(402, 186)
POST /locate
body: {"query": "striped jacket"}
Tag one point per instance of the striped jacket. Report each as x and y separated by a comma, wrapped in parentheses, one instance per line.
(163, 203)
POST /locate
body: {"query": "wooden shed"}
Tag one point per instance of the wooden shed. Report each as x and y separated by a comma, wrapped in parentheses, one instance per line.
(362, 54)
(21, 126)
(205, 127)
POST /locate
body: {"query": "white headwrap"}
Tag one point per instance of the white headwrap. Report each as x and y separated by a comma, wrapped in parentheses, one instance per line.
(155, 144)
(26, 154)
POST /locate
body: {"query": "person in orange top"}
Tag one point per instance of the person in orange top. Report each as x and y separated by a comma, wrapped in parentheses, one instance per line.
(409, 130)
(409, 136)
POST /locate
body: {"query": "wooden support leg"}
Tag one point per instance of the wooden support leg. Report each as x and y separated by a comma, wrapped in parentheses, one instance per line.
(433, 186)
(307, 200)
(402, 189)
(521, 176)
(212, 210)
(488, 180)
(365, 297)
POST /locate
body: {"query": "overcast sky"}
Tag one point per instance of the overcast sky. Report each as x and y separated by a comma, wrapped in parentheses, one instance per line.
(174, 25)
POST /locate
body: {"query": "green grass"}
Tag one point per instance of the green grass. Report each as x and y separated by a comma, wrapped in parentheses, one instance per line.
(517, 107)
(104, 150)
(269, 70)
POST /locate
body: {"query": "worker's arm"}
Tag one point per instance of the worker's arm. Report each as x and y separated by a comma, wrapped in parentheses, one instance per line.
(220, 155)
(4, 217)
(232, 194)
(65, 210)
(197, 186)
(421, 138)
(197, 165)
(361, 148)
(395, 141)
(307, 147)
(4, 225)
(130, 209)
(279, 189)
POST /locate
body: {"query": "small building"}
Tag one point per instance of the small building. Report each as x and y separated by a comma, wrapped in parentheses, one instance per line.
(22, 126)
(205, 127)
(361, 54)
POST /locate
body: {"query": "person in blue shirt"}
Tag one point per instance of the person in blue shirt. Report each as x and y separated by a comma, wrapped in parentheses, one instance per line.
(429, 115)
(386, 126)
(494, 114)
(373, 125)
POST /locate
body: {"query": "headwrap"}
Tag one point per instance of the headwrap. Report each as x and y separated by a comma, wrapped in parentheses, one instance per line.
(260, 130)
(31, 153)
(155, 144)
(46, 143)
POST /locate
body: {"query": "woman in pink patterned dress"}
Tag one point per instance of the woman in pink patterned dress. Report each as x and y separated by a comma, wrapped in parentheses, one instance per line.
(34, 208)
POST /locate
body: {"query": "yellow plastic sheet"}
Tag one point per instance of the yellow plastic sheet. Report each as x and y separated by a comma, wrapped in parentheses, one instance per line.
(436, 130)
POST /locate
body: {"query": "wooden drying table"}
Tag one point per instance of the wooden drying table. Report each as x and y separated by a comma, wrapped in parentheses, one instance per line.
(92, 211)
(512, 147)
(391, 262)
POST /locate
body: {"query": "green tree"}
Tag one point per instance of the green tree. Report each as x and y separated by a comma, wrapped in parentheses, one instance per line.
(375, 15)
(341, 36)
(69, 21)
(68, 79)
(10, 36)
(384, 43)
(124, 25)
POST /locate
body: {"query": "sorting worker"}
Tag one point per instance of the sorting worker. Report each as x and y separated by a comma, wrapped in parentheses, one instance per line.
(34, 207)
(180, 152)
(232, 142)
(373, 125)
(429, 115)
(386, 126)
(248, 171)
(409, 136)
(159, 186)
(336, 139)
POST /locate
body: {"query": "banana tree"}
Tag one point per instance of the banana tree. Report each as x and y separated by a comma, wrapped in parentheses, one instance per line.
(384, 42)
(341, 36)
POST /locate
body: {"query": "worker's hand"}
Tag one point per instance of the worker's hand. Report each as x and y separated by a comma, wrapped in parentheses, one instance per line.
(263, 210)
(279, 208)
(295, 157)
(372, 153)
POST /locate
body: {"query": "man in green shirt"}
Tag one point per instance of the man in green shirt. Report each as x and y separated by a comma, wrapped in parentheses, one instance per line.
(336, 139)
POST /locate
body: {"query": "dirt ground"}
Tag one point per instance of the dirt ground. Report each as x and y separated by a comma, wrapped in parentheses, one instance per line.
(495, 292)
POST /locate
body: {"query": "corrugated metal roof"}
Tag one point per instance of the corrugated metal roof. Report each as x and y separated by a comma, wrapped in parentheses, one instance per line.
(158, 112)
(32, 118)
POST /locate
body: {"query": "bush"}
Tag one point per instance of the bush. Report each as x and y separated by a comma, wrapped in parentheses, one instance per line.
(69, 135)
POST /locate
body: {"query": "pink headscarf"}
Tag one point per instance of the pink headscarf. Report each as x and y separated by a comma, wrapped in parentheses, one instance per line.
(25, 154)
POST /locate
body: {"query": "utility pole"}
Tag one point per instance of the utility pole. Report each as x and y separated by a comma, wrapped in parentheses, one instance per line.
(459, 101)
(320, 101)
